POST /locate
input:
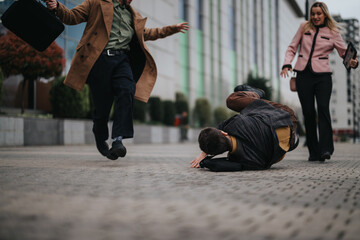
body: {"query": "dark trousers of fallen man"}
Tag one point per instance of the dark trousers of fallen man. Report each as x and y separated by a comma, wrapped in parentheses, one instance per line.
(256, 138)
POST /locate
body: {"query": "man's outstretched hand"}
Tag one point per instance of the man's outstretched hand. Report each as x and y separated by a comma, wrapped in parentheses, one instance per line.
(183, 27)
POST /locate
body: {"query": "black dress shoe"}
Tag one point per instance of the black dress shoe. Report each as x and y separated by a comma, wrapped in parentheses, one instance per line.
(118, 149)
(102, 147)
(325, 155)
(247, 88)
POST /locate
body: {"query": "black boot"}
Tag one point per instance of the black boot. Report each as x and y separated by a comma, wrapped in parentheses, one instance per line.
(103, 148)
(118, 149)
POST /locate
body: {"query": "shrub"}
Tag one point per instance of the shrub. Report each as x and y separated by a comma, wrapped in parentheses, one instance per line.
(182, 105)
(1, 85)
(262, 83)
(220, 114)
(169, 112)
(67, 102)
(202, 112)
(139, 110)
(155, 109)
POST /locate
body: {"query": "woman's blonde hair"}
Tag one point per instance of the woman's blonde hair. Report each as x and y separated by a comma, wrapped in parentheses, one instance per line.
(329, 21)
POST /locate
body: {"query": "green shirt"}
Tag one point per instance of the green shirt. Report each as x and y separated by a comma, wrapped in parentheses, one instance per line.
(121, 29)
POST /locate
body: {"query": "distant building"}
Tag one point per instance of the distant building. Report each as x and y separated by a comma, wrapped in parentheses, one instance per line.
(345, 100)
(228, 40)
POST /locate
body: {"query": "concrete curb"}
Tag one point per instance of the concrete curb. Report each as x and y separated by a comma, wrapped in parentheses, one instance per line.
(17, 131)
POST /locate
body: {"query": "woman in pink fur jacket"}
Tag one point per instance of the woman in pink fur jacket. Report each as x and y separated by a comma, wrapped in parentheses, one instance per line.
(317, 38)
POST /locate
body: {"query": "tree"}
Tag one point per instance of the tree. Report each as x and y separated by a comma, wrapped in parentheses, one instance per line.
(261, 83)
(18, 57)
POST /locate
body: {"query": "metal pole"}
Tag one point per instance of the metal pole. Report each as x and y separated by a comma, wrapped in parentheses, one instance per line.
(307, 10)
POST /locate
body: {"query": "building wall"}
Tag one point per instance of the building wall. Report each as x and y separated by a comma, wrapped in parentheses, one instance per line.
(345, 101)
(227, 40)
(235, 38)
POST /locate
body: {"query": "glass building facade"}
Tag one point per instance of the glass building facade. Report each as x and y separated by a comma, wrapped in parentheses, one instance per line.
(227, 41)
(68, 39)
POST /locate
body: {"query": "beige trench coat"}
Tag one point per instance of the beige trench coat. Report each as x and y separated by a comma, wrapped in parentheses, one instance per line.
(99, 15)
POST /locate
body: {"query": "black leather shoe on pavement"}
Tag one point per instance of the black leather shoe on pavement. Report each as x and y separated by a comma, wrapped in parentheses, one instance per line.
(118, 149)
(247, 88)
(103, 148)
(325, 155)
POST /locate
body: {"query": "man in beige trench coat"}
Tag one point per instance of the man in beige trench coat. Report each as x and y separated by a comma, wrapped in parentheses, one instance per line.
(115, 62)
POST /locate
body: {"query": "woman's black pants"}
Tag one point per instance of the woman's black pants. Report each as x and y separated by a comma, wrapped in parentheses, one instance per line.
(310, 87)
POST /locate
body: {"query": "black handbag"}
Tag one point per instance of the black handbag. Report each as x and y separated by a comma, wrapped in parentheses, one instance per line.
(32, 22)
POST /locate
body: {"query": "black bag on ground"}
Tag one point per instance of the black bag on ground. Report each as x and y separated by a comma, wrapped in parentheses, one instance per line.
(32, 22)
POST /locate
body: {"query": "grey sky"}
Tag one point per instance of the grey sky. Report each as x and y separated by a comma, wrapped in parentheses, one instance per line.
(346, 8)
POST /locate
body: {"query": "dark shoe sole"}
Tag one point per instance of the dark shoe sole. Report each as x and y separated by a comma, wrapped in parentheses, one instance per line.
(118, 151)
(112, 157)
(325, 156)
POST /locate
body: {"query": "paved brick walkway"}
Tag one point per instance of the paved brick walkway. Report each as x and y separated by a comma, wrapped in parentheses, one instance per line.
(72, 192)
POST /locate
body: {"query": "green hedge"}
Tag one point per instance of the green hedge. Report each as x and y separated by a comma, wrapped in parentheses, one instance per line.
(1, 85)
(67, 102)
(182, 105)
(155, 109)
(139, 111)
(220, 114)
(169, 112)
(202, 112)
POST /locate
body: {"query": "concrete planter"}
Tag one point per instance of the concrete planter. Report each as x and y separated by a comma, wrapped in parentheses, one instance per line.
(16, 131)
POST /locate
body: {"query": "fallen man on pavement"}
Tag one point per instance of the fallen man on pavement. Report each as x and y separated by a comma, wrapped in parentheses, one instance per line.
(255, 139)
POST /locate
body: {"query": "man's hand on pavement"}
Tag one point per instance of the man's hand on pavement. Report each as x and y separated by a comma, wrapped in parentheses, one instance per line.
(196, 162)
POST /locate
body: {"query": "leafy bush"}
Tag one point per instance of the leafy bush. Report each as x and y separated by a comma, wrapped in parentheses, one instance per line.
(261, 83)
(67, 102)
(220, 114)
(155, 109)
(169, 112)
(181, 103)
(202, 112)
(139, 110)
(1, 85)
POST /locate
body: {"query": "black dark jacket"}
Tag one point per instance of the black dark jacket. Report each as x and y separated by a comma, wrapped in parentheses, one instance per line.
(254, 129)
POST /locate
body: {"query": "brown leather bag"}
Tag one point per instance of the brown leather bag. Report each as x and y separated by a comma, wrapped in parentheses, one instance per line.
(293, 84)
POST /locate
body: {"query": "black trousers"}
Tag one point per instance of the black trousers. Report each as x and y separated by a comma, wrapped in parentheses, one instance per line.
(111, 79)
(310, 87)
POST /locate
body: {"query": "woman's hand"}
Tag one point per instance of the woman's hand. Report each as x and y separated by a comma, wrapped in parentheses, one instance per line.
(182, 27)
(285, 72)
(354, 62)
(196, 162)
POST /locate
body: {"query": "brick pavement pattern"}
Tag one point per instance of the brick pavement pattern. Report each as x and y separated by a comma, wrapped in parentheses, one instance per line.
(71, 192)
